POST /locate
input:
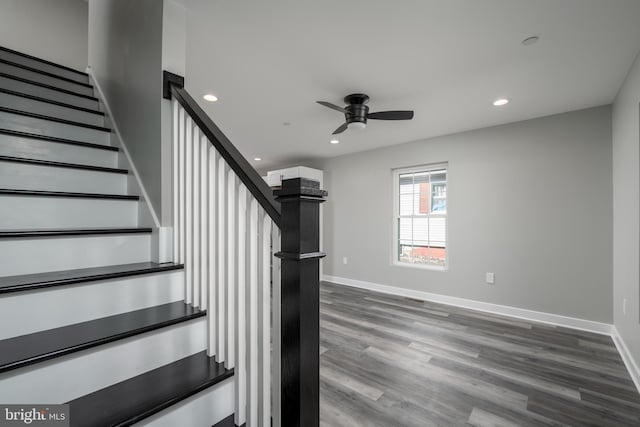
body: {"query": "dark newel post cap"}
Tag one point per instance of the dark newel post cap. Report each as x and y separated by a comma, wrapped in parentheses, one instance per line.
(169, 79)
(307, 188)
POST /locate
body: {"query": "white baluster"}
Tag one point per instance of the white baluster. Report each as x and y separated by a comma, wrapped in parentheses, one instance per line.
(252, 319)
(275, 331)
(175, 107)
(182, 178)
(189, 212)
(264, 301)
(231, 267)
(221, 256)
(204, 222)
(195, 277)
(240, 371)
(213, 277)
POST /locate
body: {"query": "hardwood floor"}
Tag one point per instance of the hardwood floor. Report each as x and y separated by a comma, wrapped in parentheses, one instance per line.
(393, 361)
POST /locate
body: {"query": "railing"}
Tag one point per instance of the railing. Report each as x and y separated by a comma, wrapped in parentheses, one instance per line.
(226, 231)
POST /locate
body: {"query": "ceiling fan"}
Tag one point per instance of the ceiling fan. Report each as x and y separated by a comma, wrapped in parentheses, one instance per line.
(356, 113)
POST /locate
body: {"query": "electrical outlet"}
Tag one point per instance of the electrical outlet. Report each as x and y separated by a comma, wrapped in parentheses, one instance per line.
(345, 260)
(490, 278)
(624, 306)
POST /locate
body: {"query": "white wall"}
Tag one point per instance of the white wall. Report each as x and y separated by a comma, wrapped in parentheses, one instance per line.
(530, 201)
(626, 210)
(125, 56)
(51, 30)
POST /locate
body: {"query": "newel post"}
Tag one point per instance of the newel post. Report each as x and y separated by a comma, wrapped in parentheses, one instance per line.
(300, 255)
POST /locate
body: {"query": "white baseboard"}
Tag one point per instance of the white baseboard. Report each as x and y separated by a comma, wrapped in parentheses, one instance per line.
(632, 366)
(520, 313)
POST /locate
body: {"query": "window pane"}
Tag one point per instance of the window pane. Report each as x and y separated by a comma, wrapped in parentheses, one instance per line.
(424, 199)
(437, 231)
(421, 231)
(422, 208)
(439, 197)
(421, 177)
(438, 176)
(405, 231)
(406, 204)
(406, 179)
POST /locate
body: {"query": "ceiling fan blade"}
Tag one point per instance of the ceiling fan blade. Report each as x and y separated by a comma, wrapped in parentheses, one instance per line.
(332, 106)
(341, 129)
(391, 115)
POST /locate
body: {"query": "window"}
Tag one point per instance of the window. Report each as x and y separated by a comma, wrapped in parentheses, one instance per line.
(420, 218)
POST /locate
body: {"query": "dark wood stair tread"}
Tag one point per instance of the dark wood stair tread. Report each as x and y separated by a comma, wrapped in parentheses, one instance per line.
(54, 119)
(28, 349)
(44, 73)
(227, 422)
(20, 134)
(132, 400)
(54, 232)
(42, 193)
(47, 138)
(44, 61)
(48, 86)
(28, 282)
(50, 101)
(62, 164)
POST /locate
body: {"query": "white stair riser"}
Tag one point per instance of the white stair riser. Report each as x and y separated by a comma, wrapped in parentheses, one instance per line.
(42, 254)
(45, 79)
(69, 377)
(51, 94)
(32, 148)
(18, 59)
(25, 211)
(50, 128)
(51, 178)
(81, 302)
(48, 109)
(202, 409)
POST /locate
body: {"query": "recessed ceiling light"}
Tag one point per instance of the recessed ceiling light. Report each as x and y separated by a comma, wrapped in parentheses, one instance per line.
(210, 97)
(530, 40)
(500, 102)
(334, 141)
(257, 159)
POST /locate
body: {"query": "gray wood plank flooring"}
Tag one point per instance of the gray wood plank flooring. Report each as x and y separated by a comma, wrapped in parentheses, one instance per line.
(392, 361)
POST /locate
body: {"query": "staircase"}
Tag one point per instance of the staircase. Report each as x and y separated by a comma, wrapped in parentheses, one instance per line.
(86, 317)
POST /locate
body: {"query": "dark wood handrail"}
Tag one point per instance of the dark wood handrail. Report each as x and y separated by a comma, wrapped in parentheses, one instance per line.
(173, 85)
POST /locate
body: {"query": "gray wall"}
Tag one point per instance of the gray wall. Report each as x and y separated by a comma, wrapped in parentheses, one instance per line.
(51, 30)
(125, 55)
(174, 33)
(626, 210)
(530, 201)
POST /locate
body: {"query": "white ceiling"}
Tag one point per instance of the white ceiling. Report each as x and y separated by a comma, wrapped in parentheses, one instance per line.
(269, 61)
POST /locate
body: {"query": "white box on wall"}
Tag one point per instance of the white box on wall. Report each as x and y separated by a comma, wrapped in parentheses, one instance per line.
(274, 178)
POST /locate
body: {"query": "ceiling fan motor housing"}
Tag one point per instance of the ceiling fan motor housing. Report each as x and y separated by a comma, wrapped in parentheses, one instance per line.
(356, 109)
(356, 112)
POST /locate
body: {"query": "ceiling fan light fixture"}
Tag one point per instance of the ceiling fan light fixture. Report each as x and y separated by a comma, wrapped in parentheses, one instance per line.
(334, 141)
(356, 112)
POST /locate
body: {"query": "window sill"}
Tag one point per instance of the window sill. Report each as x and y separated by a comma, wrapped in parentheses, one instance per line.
(420, 266)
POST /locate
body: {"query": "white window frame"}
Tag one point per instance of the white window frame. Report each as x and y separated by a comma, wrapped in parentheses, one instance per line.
(396, 215)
